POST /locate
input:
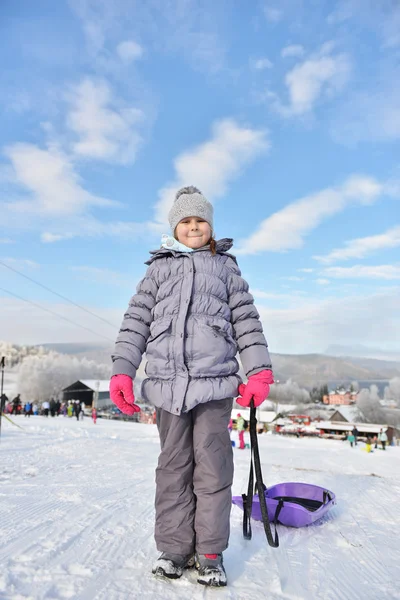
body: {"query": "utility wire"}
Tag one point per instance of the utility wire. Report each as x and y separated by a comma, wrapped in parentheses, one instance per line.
(56, 314)
(57, 294)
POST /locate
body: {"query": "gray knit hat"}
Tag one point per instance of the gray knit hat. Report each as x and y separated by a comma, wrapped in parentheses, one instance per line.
(190, 202)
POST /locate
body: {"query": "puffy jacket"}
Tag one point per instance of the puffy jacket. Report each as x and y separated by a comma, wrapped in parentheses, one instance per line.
(191, 314)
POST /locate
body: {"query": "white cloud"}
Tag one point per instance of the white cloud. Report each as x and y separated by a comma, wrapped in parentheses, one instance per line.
(261, 64)
(323, 281)
(316, 323)
(318, 77)
(273, 14)
(388, 272)
(383, 18)
(308, 325)
(106, 129)
(6, 241)
(293, 278)
(361, 247)
(189, 28)
(212, 165)
(20, 263)
(287, 228)
(49, 180)
(306, 270)
(129, 51)
(294, 50)
(49, 238)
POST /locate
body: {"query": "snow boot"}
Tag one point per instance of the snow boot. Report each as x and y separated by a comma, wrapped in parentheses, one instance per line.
(211, 570)
(172, 565)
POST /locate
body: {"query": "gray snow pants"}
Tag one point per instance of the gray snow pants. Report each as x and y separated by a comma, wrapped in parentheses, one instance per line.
(194, 479)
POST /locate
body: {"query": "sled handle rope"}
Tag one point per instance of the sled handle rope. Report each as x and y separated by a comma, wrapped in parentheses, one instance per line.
(255, 465)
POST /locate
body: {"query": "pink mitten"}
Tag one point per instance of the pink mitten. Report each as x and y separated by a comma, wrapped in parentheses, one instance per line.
(257, 389)
(121, 393)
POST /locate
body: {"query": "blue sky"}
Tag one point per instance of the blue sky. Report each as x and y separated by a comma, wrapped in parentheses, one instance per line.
(286, 114)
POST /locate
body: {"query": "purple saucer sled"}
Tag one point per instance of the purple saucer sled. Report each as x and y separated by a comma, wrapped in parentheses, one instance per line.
(301, 503)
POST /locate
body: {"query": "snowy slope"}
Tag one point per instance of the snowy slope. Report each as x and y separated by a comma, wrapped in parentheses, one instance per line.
(76, 519)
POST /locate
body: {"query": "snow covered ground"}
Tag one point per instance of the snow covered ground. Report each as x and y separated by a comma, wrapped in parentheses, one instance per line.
(76, 519)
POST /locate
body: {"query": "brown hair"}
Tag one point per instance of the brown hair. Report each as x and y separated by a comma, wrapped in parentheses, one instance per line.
(213, 246)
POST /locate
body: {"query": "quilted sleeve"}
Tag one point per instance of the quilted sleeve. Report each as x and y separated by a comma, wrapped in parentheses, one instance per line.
(252, 345)
(135, 328)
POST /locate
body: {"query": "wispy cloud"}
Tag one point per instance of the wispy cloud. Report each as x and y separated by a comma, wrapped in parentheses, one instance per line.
(260, 64)
(106, 128)
(322, 281)
(287, 228)
(20, 263)
(6, 241)
(306, 270)
(294, 50)
(129, 50)
(272, 13)
(361, 247)
(190, 28)
(320, 76)
(371, 115)
(214, 164)
(383, 18)
(48, 182)
(388, 272)
(316, 323)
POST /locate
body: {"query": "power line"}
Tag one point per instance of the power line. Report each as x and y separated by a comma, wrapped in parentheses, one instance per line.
(56, 314)
(56, 293)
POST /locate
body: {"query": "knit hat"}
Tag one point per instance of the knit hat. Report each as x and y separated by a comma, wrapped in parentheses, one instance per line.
(190, 202)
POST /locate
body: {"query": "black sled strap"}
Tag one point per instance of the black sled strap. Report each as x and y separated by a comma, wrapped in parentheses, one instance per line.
(259, 488)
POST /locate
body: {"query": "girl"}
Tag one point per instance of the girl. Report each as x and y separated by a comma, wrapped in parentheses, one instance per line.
(191, 314)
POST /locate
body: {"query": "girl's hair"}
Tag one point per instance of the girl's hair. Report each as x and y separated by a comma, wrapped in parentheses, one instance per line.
(213, 246)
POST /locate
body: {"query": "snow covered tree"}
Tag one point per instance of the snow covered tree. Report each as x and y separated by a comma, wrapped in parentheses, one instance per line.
(43, 377)
(392, 391)
(368, 402)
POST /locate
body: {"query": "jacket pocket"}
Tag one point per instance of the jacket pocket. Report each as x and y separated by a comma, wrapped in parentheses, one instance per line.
(218, 330)
(158, 327)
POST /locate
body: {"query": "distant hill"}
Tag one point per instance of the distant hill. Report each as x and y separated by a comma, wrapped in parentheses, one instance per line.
(313, 369)
(358, 350)
(306, 369)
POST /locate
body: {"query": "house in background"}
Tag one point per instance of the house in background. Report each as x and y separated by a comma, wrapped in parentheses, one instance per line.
(86, 390)
(340, 397)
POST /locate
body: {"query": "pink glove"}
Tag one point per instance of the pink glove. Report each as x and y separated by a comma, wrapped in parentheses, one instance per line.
(121, 393)
(257, 389)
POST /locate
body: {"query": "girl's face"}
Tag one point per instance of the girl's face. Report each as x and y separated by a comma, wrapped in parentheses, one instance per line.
(194, 232)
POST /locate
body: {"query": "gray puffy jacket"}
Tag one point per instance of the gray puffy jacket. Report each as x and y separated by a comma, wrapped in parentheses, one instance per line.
(191, 314)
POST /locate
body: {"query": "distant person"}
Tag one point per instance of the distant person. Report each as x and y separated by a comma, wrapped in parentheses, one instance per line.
(53, 407)
(46, 408)
(191, 315)
(28, 409)
(57, 407)
(3, 402)
(383, 438)
(240, 428)
(82, 410)
(355, 433)
(368, 445)
(94, 415)
(16, 405)
(351, 438)
(35, 409)
(77, 409)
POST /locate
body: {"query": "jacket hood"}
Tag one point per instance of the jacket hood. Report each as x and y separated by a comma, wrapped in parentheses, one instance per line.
(222, 247)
